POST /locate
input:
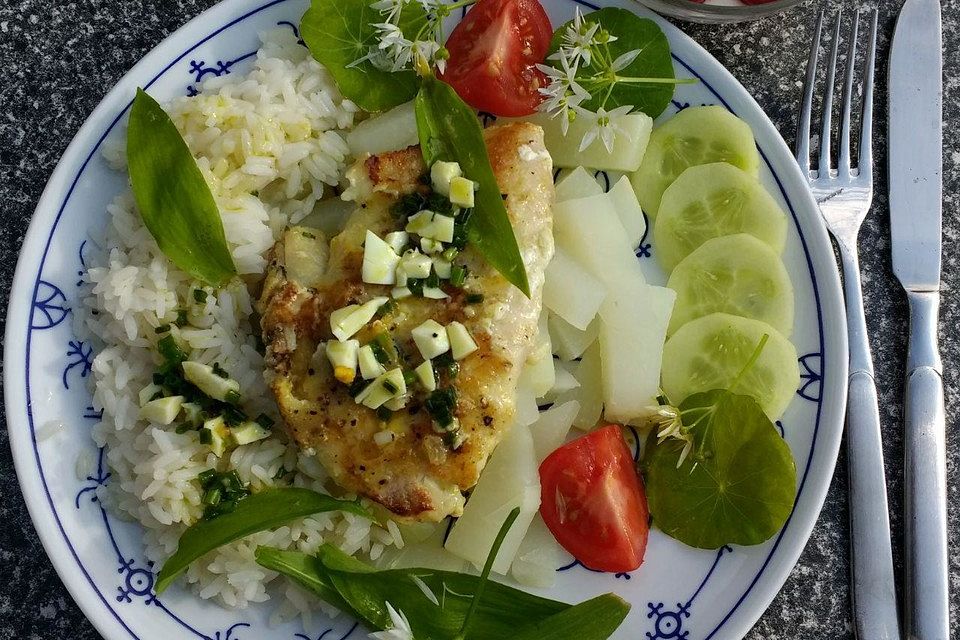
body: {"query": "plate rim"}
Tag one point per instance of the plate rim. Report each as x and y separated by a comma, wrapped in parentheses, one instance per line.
(57, 545)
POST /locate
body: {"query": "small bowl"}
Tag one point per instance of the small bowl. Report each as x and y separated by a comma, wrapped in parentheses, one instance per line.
(721, 11)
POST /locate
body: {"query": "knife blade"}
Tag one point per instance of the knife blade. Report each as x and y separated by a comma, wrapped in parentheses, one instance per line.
(916, 201)
(916, 145)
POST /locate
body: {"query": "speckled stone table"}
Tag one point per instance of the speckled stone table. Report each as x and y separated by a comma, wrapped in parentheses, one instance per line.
(60, 58)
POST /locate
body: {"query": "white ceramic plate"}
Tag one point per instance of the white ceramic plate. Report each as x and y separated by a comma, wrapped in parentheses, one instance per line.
(678, 593)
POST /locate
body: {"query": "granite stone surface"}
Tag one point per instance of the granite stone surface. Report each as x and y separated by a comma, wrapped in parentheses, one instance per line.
(60, 58)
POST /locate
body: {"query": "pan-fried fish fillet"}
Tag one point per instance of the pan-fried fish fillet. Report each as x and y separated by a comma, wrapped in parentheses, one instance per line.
(416, 475)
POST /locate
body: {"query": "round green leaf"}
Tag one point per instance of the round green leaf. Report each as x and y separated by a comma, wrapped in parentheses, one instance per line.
(737, 485)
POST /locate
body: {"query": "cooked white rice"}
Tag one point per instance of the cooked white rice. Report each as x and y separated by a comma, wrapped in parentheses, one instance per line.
(270, 145)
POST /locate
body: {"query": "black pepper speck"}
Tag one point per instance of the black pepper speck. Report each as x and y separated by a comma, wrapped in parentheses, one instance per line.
(61, 59)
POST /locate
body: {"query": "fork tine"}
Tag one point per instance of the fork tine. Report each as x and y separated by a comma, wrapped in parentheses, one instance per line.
(803, 126)
(865, 162)
(823, 167)
(843, 165)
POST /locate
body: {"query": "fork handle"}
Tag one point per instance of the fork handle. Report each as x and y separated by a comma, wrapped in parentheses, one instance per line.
(925, 493)
(873, 586)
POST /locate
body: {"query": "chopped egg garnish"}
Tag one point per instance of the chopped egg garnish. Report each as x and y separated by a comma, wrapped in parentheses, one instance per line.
(462, 343)
(162, 410)
(431, 339)
(461, 192)
(348, 320)
(442, 267)
(343, 356)
(425, 375)
(429, 224)
(401, 292)
(415, 265)
(385, 387)
(430, 246)
(397, 240)
(379, 260)
(442, 174)
(434, 293)
(370, 367)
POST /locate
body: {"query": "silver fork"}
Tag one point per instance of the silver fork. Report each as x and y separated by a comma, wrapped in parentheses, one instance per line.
(844, 193)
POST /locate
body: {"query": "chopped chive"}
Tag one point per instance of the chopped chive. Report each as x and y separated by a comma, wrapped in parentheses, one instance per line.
(213, 496)
(307, 234)
(184, 427)
(416, 287)
(450, 253)
(162, 329)
(388, 308)
(220, 371)
(281, 472)
(379, 353)
(409, 377)
(199, 295)
(232, 397)
(384, 414)
(389, 386)
(181, 320)
(458, 275)
(170, 350)
(206, 436)
(355, 387)
(433, 280)
(156, 396)
(233, 416)
(264, 421)
(474, 298)
(206, 477)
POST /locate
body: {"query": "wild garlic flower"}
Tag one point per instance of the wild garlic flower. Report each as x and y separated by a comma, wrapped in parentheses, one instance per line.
(394, 51)
(604, 125)
(389, 9)
(399, 627)
(669, 425)
(579, 40)
(584, 71)
(563, 94)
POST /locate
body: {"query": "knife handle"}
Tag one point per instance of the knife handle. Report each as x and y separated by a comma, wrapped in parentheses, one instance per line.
(925, 493)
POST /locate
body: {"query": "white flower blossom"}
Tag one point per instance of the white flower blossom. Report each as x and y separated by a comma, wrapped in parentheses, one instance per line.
(389, 8)
(563, 93)
(399, 627)
(579, 38)
(625, 60)
(605, 125)
(392, 42)
(426, 50)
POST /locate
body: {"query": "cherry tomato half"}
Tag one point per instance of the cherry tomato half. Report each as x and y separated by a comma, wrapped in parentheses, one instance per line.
(592, 500)
(493, 53)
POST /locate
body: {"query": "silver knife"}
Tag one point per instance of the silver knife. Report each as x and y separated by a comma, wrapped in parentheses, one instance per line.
(915, 165)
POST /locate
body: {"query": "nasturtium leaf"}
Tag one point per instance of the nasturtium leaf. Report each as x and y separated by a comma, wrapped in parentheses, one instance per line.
(449, 130)
(340, 32)
(654, 61)
(261, 511)
(174, 201)
(736, 486)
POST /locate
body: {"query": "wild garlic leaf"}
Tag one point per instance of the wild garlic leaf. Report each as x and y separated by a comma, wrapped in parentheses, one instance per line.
(261, 511)
(594, 619)
(500, 612)
(449, 130)
(736, 486)
(340, 32)
(632, 33)
(172, 197)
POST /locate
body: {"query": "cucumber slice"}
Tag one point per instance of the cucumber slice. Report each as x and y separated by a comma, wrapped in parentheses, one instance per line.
(737, 274)
(696, 135)
(713, 200)
(710, 352)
